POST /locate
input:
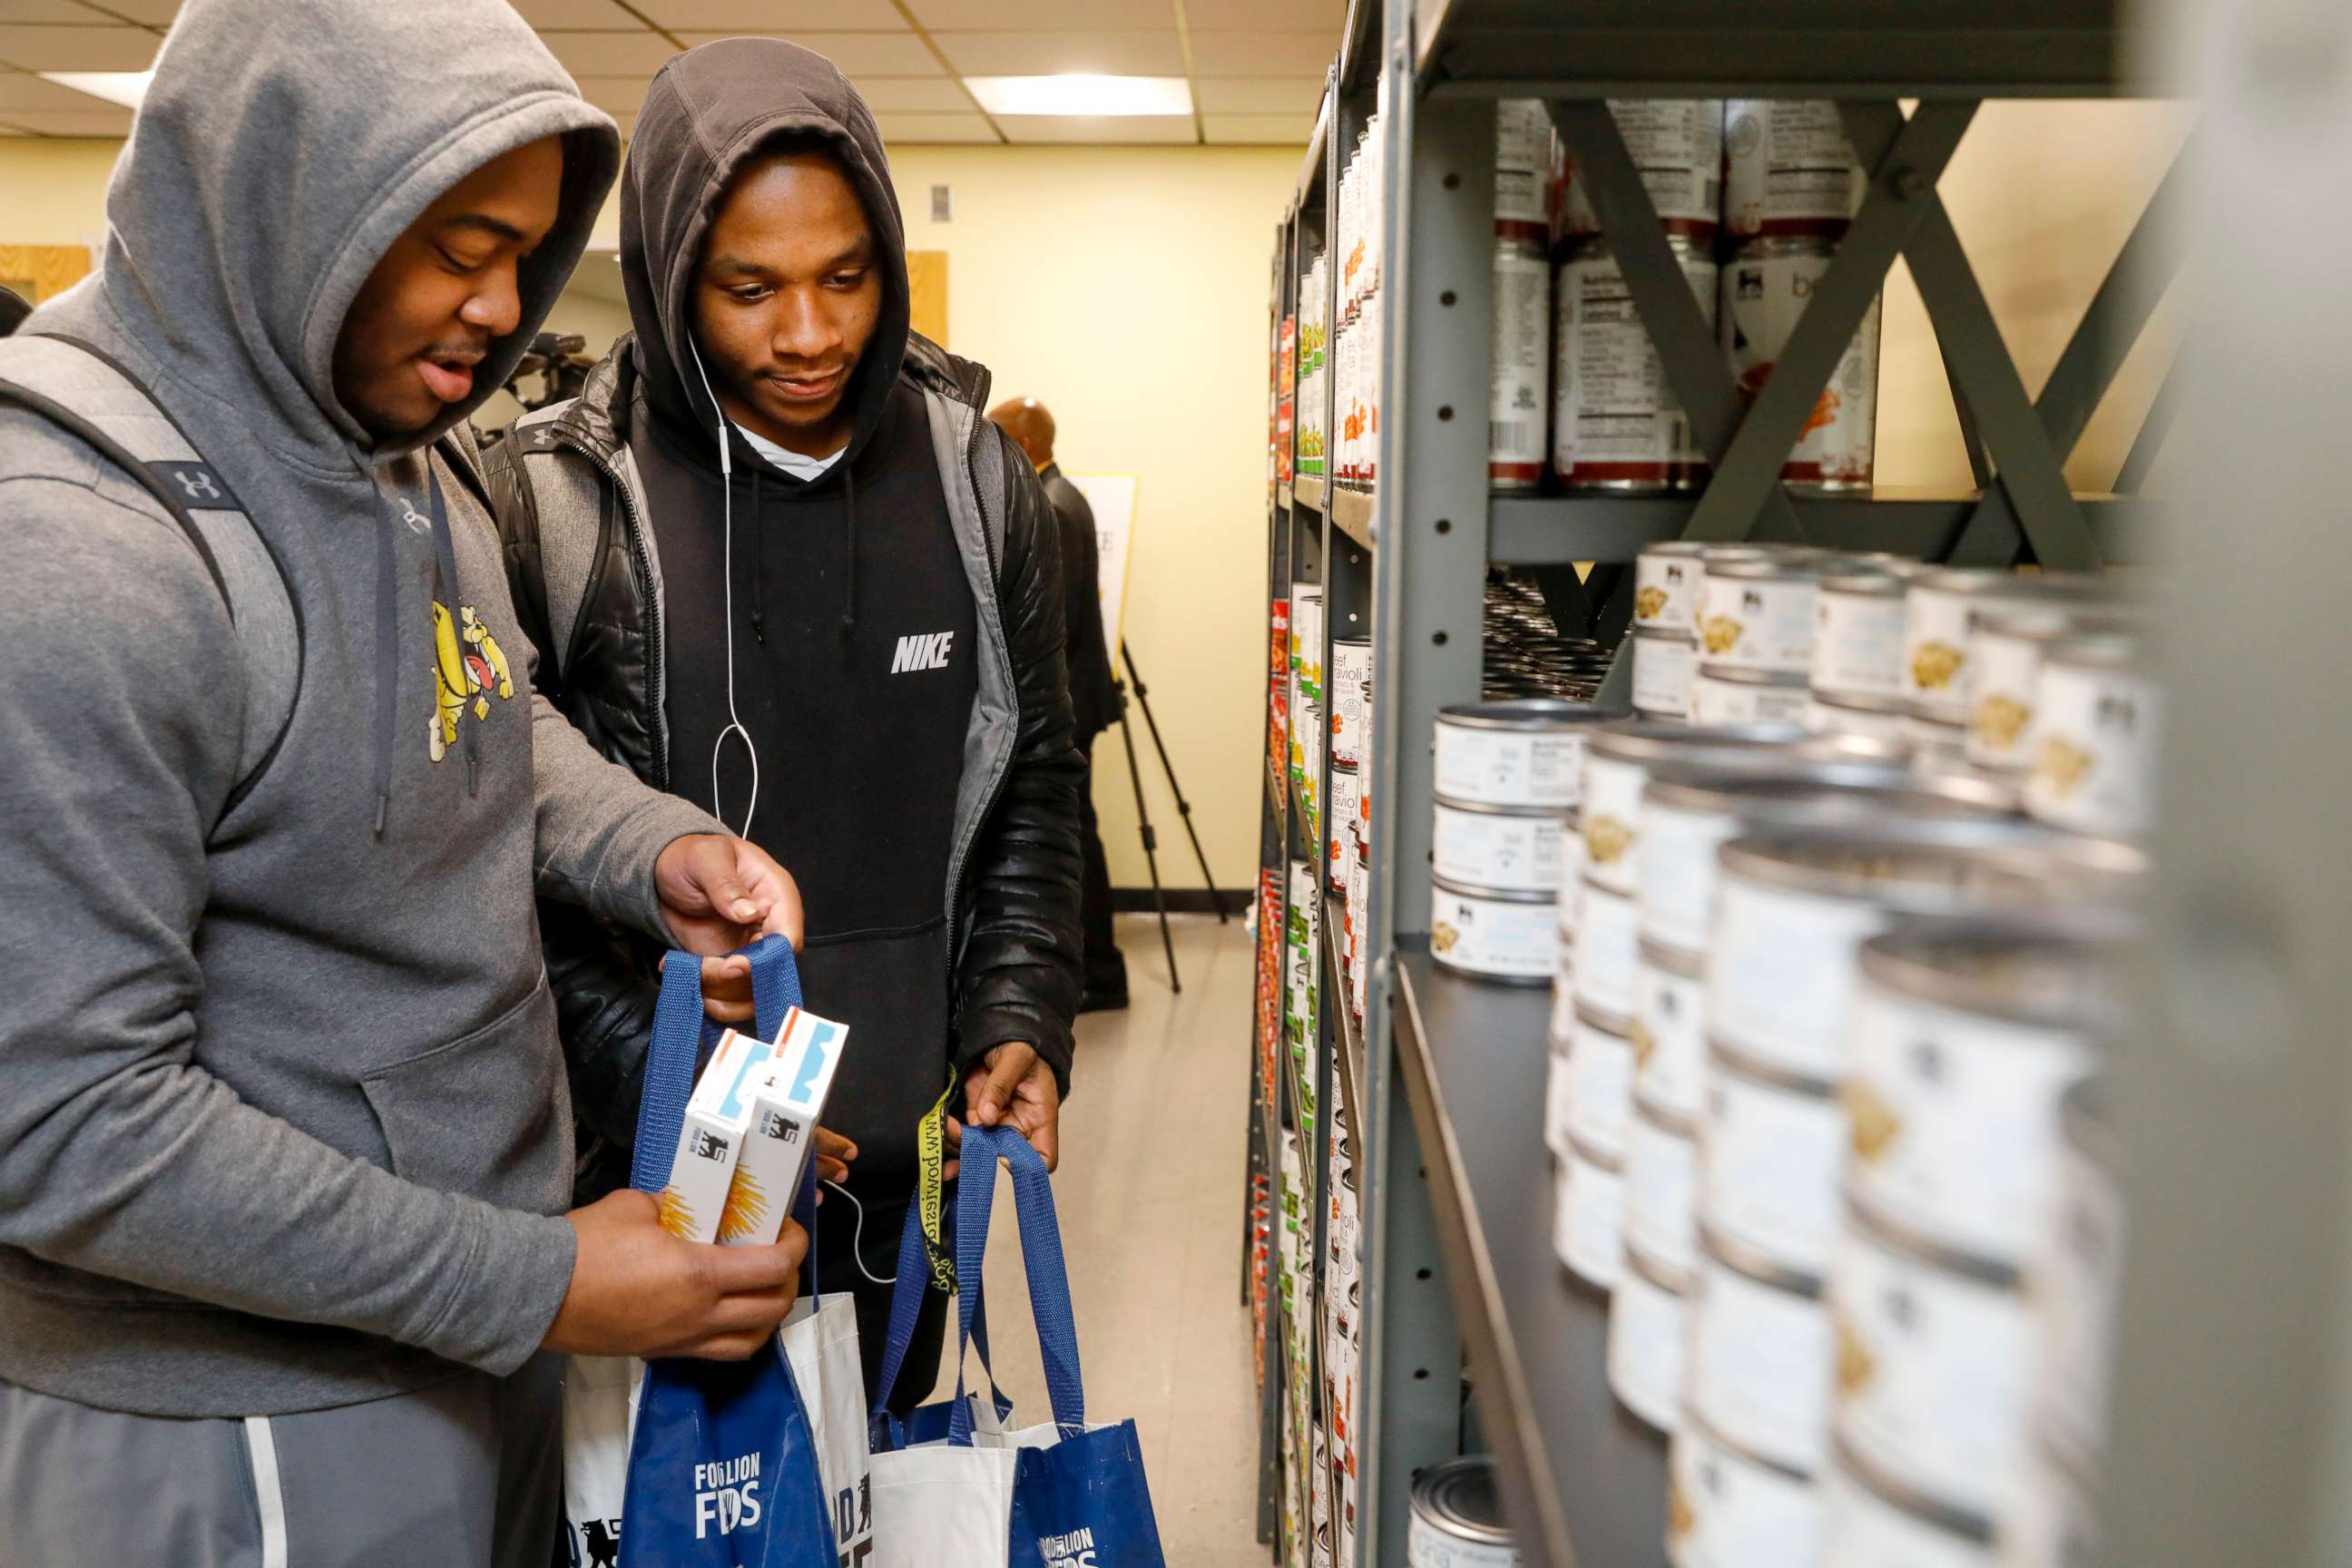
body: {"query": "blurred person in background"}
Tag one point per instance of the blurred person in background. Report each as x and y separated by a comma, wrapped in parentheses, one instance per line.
(1095, 695)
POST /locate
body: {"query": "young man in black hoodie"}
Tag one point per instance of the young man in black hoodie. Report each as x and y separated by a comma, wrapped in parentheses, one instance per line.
(780, 564)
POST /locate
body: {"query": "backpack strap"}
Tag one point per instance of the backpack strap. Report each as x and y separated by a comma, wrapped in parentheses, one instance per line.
(87, 393)
(570, 503)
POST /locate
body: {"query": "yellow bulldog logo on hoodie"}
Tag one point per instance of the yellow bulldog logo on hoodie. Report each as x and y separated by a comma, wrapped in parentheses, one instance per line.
(466, 663)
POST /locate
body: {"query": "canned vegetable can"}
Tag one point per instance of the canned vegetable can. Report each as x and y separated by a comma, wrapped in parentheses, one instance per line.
(1457, 1517)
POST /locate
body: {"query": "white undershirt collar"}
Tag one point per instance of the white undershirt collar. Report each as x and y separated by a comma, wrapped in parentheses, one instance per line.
(798, 465)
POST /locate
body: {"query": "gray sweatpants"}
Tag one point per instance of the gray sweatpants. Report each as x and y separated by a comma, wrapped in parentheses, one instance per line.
(466, 1474)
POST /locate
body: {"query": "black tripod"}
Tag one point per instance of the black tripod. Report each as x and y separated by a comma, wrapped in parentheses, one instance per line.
(1143, 816)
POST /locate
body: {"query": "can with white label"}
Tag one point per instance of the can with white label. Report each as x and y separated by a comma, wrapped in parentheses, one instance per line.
(1521, 387)
(1934, 1348)
(2051, 1520)
(1788, 169)
(1871, 1520)
(1664, 665)
(1941, 610)
(1775, 1144)
(2098, 714)
(1616, 424)
(1516, 848)
(1858, 632)
(1964, 1034)
(2075, 1275)
(1522, 159)
(1761, 1355)
(1725, 1508)
(1689, 813)
(1349, 692)
(1646, 1335)
(1766, 289)
(1670, 1027)
(1588, 1229)
(1759, 614)
(1666, 578)
(1793, 904)
(1677, 145)
(1457, 1517)
(1720, 695)
(1559, 1086)
(1600, 1081)
(1486, 934)
(1660, 1187)
(1339, 838)
(1617, 764)
(1872, 718)
(1607, 934)
(1529, 752)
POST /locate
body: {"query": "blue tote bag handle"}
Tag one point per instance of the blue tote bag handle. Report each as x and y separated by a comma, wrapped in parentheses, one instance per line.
(682, 1030)
(912, 1278)
(1041, 1249)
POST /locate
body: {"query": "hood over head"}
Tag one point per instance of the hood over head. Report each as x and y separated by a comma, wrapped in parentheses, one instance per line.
(707, 114)
(278, 154)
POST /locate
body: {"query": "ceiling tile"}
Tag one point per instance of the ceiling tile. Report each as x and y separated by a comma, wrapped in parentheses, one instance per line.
(1148, 128)
(857, 54)
(1045, 16)
(914, 94)
(19, 89)
(576, 16)
(640, 53)
(1261, 95)
(773, 15)
(1263, 54)
(1049, 54)
(77, 48)
(1280, 130)
(911, 128)
(98, 121)
(1327, 17)
(614, 94)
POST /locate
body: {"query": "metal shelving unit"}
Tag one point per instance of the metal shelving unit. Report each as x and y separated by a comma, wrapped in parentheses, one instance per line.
(1459, 1284)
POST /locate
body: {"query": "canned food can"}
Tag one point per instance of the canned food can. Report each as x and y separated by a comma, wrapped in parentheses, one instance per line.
(1688, 814)
(1617, 764)
(1939, 613)
(1793, 904)
(1871, 718)
(1858, 634)
(1666, 578)
(1457, 1518)
(1677, 145)
(1646, 1334)
(1522, 159)
(1661, 1187)
(1341, 838)
(1486, 934)
(1759, 616)
(1728, 1509)
(1765, 290)
(1521, 388)
(1525, 752)
(1616, 424)
(1513, 847)
(1964, 1034)
(1663, 664)
(1775, 1147)
(1559, 1088)
(1719, 695)
(2075, 1275)
(1600, 1082)
(1932, 1361)
(1350, 691)
(1607, 934)
(1588, 1229)
(1761, 1355)
(1788, 169)
(1871, 1520)
(2097, 717)
(2053, 1517)
(1670, 1027)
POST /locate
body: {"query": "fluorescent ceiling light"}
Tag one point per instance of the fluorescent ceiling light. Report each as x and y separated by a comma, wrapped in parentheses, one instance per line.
(125, 88)
(1076, 92)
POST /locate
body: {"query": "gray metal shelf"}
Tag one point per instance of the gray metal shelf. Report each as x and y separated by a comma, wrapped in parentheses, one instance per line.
(1550, 531)
(1767, 48)
(1348, 1038)
(1307, 489)
(1583, 1482)
(1351, 512)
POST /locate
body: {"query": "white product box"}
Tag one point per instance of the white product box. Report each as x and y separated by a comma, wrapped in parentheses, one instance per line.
(711, 1142)
(785, 1108)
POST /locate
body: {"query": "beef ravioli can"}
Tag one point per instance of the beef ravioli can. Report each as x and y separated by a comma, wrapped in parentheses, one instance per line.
(1766, 289)
(1616, 423)
(1457, 1518)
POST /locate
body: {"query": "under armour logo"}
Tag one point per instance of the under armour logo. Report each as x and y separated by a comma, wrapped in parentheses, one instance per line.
(922, 651)
(198, 484)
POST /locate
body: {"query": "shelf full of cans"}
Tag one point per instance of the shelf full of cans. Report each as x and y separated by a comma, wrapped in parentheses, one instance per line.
(1754, 195)
(1831, 990)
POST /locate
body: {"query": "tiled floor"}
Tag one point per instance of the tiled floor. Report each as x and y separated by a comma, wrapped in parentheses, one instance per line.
(1149, 1195)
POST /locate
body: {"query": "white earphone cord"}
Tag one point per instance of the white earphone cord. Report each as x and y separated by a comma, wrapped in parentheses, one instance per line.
(727, 567)
(858, 1236)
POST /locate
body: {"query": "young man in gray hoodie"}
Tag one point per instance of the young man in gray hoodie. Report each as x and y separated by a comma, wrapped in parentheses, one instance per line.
(285, 1140)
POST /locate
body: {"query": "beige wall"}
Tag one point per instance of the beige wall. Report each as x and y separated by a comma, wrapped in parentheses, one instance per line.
(1126, 287)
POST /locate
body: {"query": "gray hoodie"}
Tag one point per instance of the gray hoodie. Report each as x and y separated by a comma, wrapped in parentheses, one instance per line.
(282, 1114)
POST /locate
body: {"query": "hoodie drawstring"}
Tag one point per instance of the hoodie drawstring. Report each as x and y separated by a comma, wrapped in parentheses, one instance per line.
(758, 560)
(849, 549)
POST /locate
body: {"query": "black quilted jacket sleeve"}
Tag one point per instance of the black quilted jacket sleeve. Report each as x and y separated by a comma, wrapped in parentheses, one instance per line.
(1021, 973)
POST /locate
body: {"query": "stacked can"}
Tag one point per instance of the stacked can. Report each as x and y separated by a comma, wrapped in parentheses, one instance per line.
(1677, 146)
(1857, 672)
(1342, 1304)
(1789, 170)
(1314, 301)
(1756, 622)
(1791, 907)
(1306, 741)
(1766, 288)
(1457, 1517)
(1508, 774)
(1666, 578)
(1941, 611)
(1964, 1035)
(1296, 1222)
(1279, 686)
(1522, 314)
(1361, 947)
(1285, 399)
(1355, 352)
(1616, 425)
(1303, 974)
(2097, 714)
